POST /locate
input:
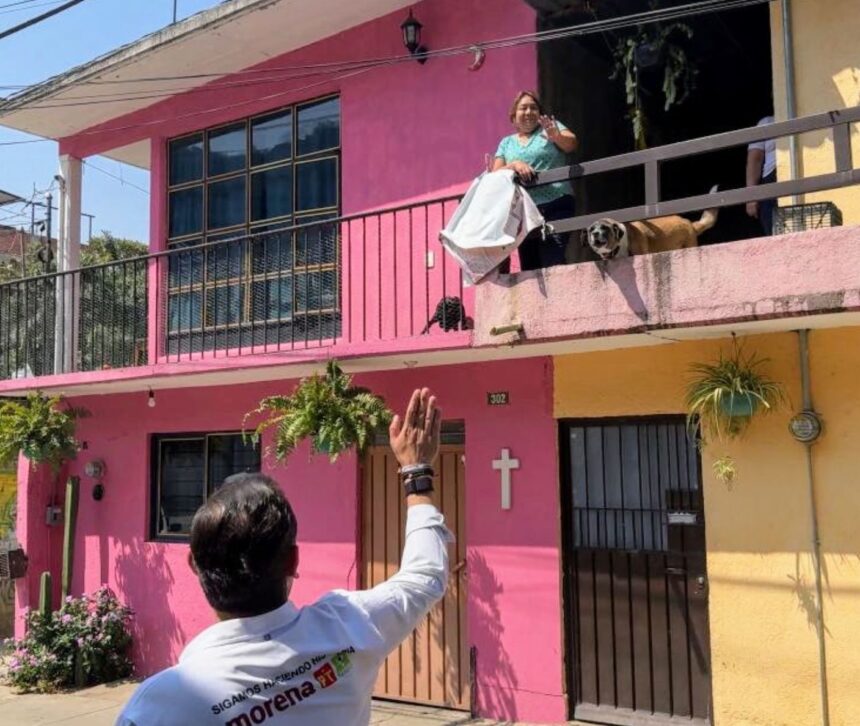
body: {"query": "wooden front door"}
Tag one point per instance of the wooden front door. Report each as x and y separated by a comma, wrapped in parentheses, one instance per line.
(432, 665)
(636, 595)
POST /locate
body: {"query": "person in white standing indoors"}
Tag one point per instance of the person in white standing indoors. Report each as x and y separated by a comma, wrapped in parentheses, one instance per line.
(761, 169)
(269, 662)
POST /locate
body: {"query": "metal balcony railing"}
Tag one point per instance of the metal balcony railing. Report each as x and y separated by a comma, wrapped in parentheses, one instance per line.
(360, 279)
(845, 173)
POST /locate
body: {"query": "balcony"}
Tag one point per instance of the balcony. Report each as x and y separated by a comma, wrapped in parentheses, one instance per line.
(763, 284)
(358, 285)
(367, 286)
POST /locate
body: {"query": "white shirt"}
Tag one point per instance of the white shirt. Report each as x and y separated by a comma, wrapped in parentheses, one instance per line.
(769, 149)
(310, 666)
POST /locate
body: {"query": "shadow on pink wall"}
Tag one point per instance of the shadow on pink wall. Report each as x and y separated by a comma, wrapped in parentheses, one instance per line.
(486, 628)
(144, 575)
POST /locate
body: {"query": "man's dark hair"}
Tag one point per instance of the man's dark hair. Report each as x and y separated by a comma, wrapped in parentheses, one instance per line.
(241, 540)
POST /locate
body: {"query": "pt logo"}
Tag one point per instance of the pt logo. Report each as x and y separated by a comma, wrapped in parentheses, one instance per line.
(325, 676)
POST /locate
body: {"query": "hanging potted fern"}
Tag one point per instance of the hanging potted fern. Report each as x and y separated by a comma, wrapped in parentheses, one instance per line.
(723, 397)
(41, 428)
(327, 409)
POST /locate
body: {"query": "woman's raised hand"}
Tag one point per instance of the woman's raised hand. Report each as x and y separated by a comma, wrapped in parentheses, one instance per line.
(550, 127)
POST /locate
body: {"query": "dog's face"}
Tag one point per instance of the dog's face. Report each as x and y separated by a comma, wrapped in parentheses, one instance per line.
(605, 237)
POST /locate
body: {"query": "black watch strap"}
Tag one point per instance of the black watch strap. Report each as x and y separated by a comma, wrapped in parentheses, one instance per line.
(419, 485)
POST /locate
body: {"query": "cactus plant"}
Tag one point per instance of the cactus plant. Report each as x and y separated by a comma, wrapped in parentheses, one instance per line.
(72, 491)
(45, 604)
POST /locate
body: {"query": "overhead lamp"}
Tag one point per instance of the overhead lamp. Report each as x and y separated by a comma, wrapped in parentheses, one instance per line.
(411, 30)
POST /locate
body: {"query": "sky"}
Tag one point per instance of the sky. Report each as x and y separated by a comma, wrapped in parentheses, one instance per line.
(53, 46)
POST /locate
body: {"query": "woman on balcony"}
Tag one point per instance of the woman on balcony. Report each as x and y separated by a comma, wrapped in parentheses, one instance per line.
(538, 143)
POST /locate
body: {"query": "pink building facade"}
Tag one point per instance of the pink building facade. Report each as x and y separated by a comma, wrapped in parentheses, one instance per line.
(409, 132)
(411, 138)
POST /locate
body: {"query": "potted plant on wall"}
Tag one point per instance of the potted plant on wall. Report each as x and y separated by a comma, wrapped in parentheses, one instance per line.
(723, 397)
(327, 409)
(41, 428)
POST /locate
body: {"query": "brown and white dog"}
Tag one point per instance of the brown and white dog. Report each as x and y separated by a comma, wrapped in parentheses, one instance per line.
(610, 239)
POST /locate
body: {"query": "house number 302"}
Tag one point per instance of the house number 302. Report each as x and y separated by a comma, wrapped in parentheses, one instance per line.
(498, 398)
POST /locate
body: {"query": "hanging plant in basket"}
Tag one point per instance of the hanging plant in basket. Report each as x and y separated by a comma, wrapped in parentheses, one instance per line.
(644, 51)
(723, 397)
(327, 409)
(40, 427)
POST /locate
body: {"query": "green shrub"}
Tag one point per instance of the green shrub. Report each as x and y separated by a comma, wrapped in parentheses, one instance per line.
(85, 642)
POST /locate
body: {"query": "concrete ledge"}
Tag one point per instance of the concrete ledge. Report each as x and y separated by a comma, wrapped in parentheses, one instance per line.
(810, 273)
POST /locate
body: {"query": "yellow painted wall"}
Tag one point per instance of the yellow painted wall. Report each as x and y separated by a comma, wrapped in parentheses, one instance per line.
(763, 640)
(827, 70)
(8, 494)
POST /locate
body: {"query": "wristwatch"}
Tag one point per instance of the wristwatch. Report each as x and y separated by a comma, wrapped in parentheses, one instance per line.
(418, 485)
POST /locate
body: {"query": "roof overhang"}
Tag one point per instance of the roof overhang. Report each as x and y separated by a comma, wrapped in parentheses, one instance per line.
(9, 198)
(232, 36)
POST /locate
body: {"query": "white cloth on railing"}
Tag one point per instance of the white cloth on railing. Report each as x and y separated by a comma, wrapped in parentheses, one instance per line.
(489, 224)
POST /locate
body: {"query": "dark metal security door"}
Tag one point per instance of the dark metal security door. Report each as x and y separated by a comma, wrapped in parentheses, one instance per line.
(636, 594)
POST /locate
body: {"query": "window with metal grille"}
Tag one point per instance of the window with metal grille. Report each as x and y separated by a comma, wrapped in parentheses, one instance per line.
(252, 181)
(186, 469)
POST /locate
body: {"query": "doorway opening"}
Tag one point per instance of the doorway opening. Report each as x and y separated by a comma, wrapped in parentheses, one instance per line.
(733, 88)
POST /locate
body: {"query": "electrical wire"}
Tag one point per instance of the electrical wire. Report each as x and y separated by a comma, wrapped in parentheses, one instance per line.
(207, 88)
(122, 181)
(38, 19)
(697, 8)
(274, 74)
(29, 7)
(19, 2)
(238, 104)
(28, 141)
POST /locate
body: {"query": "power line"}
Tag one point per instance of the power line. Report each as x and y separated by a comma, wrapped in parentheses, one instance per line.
(28, 141)
(38, 19)
(238, 104)
(114, 176)
(608, 25)
(94, 100)
(20, 2)
(289, 73)
(29, 7)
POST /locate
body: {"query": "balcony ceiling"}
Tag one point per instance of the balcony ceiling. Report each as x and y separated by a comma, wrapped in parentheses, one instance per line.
(232, 36)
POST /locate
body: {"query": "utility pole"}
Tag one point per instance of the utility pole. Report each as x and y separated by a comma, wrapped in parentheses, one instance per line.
(47, 252)
(175, 2)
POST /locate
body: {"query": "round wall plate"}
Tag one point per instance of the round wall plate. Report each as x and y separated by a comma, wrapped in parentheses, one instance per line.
(805, 426)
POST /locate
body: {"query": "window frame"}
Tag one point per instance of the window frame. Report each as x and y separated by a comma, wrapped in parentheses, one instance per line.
(246, 278)
(155, 478)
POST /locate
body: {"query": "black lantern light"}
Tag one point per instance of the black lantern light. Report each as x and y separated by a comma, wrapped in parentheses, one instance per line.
(411, 30)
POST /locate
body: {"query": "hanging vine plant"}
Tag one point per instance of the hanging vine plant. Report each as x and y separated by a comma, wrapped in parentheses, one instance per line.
(327, 409)
(646, 49)
(40, 427)
(723, 397)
